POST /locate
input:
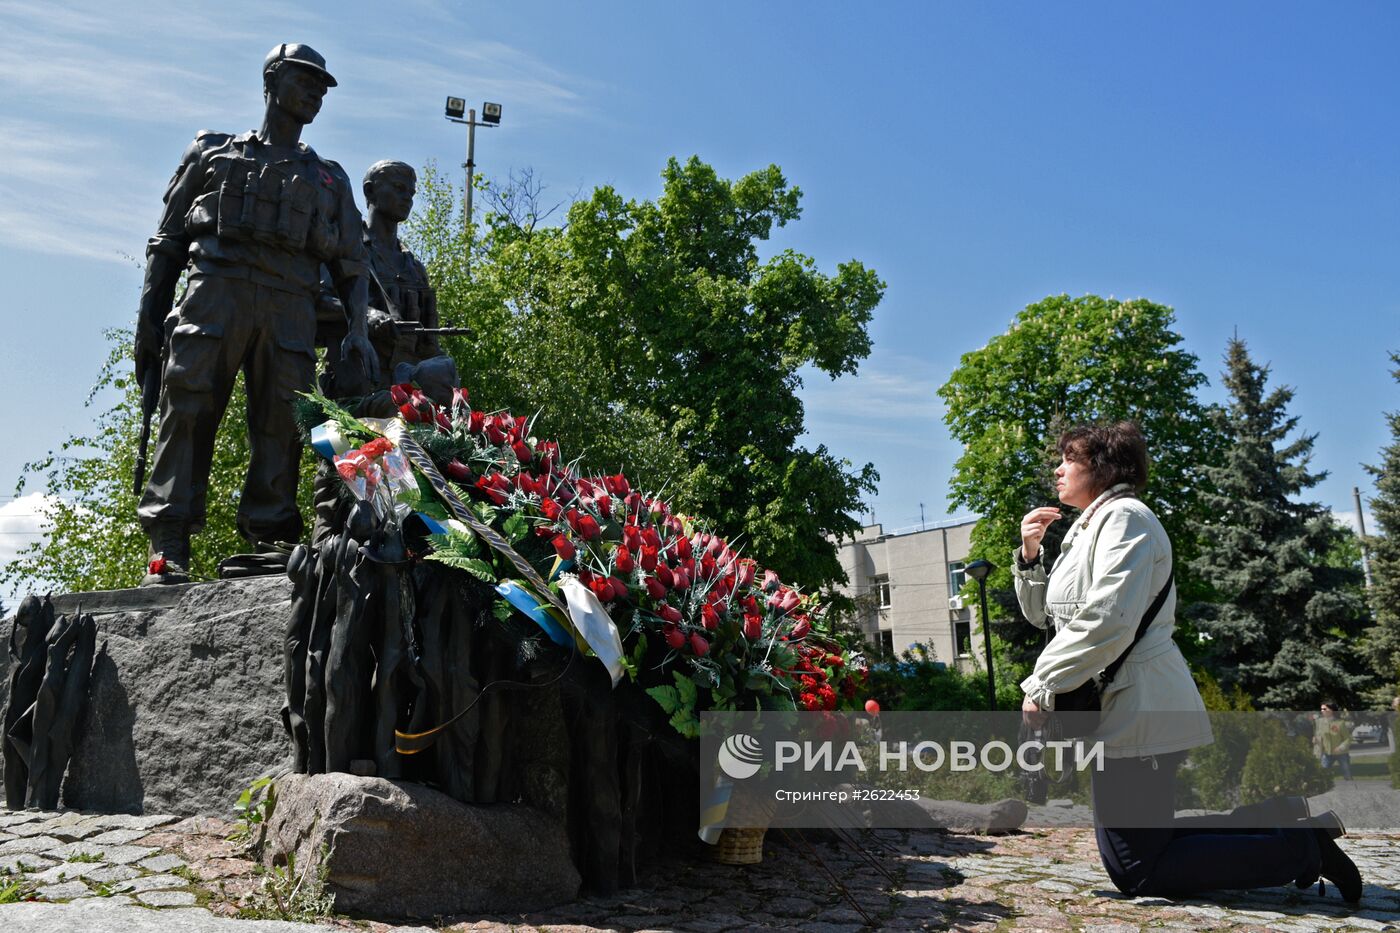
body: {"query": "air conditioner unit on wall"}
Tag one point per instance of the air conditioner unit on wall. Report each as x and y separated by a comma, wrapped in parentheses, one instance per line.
(955, 603)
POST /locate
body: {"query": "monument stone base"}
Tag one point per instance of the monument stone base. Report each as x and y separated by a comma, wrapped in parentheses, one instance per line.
(184, 708)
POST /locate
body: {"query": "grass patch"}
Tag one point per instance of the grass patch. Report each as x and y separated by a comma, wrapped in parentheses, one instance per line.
(85, 857)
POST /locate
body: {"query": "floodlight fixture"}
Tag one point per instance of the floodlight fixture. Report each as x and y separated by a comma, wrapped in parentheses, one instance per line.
(456, 108)
(490, 113)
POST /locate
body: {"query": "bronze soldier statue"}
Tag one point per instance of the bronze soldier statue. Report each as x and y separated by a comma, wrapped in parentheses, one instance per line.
(254, 217)
(403, 306)
(403, 323)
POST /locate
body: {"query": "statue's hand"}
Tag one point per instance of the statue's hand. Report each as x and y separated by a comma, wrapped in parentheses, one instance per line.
(358, 346)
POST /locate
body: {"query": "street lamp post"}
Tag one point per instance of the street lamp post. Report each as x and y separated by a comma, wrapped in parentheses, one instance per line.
(978, 571)
(490, 116)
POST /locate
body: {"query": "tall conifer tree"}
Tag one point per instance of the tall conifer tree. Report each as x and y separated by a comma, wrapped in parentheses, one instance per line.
(1284, 624)
(1383, 640)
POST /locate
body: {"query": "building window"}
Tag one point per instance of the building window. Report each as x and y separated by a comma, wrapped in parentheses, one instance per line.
(957, 577)
(887, 643)
(962, 638)
(880, 585)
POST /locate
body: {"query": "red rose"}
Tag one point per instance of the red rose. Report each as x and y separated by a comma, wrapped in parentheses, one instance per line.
(601, 587)
(572, 517)
(564, 547)
(801, 629)
(622, 559)
(872, 707)
(409, 413)
(633, 502)
(603, 504)
(834, 660)
(707, 567)
(699, 645)
(747, 568)
(683, 549)
(522, 451)
(494, 434)
(444, 424)
(753, 627)
(619, 589)
(770, 581)
(487, 487)
(476, 422)
(669, 613)
(459, 472)
(459, 398)
(651, 538)
(399, 394)
(632, 535)
(588, 528)
(668, 579)
(709, 616)
(682, 580)
(655, 588)
(648, 558)
(674, 636)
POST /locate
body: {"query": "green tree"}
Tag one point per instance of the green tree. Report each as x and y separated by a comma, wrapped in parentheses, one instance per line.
(1285, 620)
(1067, 360)
(92, 540)
(1382, 642)
(652, 336)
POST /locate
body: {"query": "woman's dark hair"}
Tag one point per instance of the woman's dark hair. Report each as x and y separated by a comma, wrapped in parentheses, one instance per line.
(1114, 453)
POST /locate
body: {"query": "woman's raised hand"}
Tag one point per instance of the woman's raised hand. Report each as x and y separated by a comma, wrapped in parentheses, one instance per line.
(1033, 527)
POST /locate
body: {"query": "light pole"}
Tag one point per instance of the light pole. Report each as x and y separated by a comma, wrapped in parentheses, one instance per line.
(490, 116)
(978, 571)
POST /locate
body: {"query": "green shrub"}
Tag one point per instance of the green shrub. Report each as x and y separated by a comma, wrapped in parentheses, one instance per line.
(1394, 761)
(1278, 764)
(918, 681)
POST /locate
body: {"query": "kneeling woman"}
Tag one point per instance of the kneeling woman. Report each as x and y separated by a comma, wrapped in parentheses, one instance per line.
(1113, 564)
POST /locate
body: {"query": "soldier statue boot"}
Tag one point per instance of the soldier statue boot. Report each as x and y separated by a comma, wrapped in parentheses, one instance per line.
(169, 557)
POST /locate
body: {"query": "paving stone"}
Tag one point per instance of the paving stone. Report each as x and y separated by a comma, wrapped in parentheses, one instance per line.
(117, 837)
(117, 855)
(151, 883)
(107, 874)
(167, 898)
(66, 891)
(32, 844)
(25, 862)
(166, 862)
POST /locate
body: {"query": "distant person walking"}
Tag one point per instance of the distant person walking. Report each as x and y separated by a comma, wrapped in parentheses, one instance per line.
(1332, 738)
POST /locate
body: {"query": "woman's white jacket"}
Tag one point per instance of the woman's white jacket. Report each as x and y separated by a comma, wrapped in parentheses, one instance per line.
(1102, 584)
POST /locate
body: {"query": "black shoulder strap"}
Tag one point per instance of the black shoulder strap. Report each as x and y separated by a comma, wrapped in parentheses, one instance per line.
(1152, 610)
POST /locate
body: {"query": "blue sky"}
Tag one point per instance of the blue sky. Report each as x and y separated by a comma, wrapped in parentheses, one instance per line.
(1236, 161)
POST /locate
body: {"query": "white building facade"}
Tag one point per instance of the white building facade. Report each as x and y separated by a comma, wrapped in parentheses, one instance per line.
(912, 581)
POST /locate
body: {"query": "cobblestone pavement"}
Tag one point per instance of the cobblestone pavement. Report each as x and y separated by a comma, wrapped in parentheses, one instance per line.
(77, 872)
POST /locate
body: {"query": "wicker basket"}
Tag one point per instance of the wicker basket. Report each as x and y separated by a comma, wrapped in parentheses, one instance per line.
(740, 846)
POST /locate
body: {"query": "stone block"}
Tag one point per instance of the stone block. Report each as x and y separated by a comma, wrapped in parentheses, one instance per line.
(394, 850)
(185, 700)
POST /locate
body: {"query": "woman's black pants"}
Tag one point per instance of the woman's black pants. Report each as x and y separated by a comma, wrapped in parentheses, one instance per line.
(1167, 856)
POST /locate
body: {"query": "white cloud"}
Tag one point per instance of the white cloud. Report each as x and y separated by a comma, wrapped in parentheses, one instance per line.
(891, 399)
(20, 524)
(1347, 519)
